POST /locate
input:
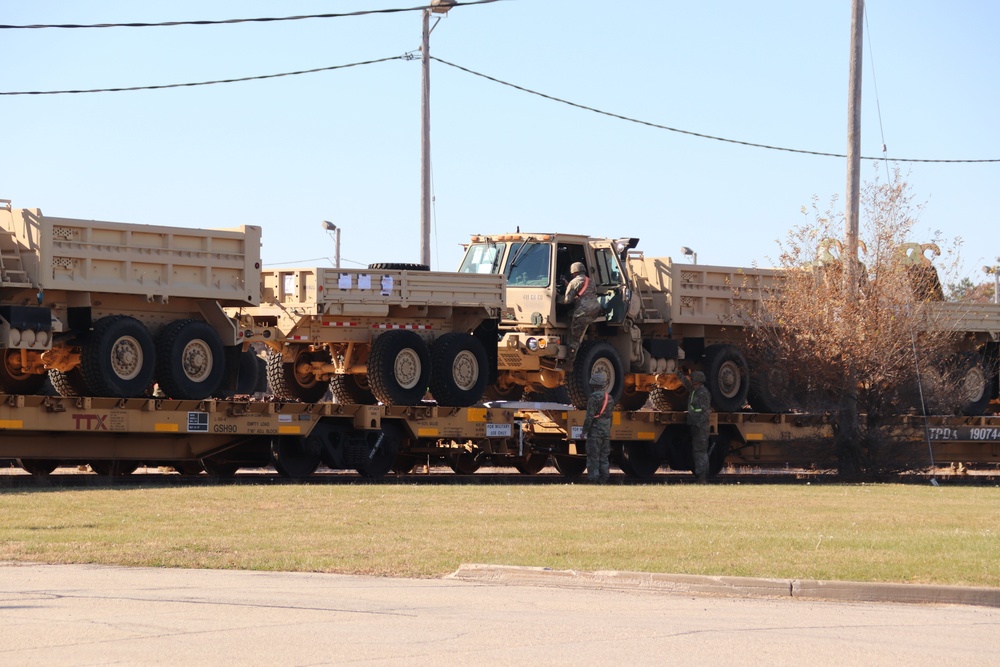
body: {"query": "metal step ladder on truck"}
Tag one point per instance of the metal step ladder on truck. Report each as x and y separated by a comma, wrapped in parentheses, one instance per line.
(110, 309)
(663, 318)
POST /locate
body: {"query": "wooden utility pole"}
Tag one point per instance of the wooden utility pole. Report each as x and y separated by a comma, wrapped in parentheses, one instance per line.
(850, 254)
(425, 144)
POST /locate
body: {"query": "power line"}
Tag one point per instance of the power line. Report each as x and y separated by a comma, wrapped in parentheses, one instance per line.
(200, 83)
(165, 24)
(679, 131)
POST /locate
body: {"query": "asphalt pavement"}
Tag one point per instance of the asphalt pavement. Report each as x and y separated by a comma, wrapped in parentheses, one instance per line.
(481, 614)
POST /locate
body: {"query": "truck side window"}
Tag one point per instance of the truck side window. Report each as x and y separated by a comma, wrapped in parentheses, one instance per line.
(608, 272)
(528, 266)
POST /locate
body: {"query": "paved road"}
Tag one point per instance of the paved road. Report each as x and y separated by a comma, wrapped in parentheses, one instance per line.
(94, 615)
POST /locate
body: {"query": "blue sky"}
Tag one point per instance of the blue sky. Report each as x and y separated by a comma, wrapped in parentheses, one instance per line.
(344, 145)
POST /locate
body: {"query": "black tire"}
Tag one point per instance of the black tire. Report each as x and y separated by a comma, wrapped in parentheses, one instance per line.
(974, 382)
(190, 360)
(292, 457)
(397, 266)
(119, 359)
(68, 384)
(288, 384)
(352, 389)
(495, 392)
(399, 368)
(592, 357)
(771, 389)
(546, 395)
(13, 380)
(570, 467)
(669, 400)
(632, 400)
(639, 460)
(38, 467)
(248, 375)
(459, 370)
(726, 375)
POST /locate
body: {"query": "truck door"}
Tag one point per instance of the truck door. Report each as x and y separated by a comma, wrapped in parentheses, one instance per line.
(611, 283)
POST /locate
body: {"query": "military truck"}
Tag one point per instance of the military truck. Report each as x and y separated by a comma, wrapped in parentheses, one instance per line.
(388, 333)
(660, 320)
(110, 309)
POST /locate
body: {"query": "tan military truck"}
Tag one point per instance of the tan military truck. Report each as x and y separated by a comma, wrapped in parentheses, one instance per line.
(387, 333)
(660, 319)
(110, 309)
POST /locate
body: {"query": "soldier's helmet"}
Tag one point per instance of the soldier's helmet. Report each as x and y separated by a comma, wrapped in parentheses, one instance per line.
(577, 267)
(598, 380)
(698, 376)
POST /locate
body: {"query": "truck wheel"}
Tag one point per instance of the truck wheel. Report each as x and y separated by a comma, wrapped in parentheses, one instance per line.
(396, 266)
(632, 400)
(13, 380)
(248, 375)
(289, 381)
(190, 360)
(669, 400)
(352, 389)
(68, 384)
(726, 374)
(399, 367)
(458, 375)
(498, 392)
(291, 457)
(975, 383)
(594, 357)
(771, 389)
(118, 359)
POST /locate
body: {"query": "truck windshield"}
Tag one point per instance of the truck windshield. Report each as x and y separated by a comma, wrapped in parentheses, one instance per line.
(528, 265)
(482, 258)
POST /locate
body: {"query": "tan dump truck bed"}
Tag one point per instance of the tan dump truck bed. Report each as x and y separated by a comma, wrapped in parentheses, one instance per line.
(965, 317)
(697, 293)
(377, 292)
(51, 253)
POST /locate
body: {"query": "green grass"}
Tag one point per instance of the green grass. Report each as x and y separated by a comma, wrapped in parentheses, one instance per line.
(892, 533)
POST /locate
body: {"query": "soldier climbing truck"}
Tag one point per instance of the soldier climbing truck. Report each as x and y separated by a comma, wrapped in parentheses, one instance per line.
(660, 320)
(388, 334)
(108, 309)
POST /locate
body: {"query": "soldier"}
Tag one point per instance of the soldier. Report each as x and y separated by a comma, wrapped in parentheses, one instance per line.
(587, 308)
(699, 409)
(597, 429)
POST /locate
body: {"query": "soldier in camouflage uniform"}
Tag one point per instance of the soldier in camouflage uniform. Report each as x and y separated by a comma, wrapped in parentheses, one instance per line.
(699, 409)
(580, 291)
(597, 429)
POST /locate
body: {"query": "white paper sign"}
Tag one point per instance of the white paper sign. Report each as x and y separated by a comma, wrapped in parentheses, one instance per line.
(344, 282)
(364, 281)
(386, 285)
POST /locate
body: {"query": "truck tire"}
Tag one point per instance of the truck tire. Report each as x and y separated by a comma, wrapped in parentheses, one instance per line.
(727, 377)
(632, 400)
(119, 359)
(248, 376)
(396, 266)
(68, 384)
(352, 389)
(497, 392)
(771, 389)
(399, 368)
(13, 380)
(458, 370)
(669, 400)
(974, 383)
(287, 383)
(594, 357)
(190, 360)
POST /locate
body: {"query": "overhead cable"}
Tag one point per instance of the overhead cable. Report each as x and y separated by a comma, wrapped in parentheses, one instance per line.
(199, 83)
(166, 24)
(674, 129)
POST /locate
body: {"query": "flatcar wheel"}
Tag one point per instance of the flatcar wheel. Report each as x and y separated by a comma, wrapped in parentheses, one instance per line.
(532, 464)
(220, 469)
(291, 456)
(570, 467)
(188, 468)
(38, 467)
(465, 463)
(404, 465)
(639, 459)
(115, 468)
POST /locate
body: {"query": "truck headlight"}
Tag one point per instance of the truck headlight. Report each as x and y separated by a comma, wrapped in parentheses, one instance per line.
(531, 344)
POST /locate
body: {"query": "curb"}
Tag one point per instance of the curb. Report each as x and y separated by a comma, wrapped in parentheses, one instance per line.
(804, 589)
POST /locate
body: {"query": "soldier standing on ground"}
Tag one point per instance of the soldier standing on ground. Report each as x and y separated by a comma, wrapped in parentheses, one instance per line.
(597, 430)
(699, 409)
(587, 308)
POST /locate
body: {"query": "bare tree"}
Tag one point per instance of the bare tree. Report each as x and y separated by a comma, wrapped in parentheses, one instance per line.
(856, 352)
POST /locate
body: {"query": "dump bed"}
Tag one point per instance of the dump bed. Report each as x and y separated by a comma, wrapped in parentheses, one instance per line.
(121, 258)
(373, 292)
(964, 316)
(697, 293)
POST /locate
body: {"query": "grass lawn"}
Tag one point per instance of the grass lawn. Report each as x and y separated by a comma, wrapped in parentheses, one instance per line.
(891, 533)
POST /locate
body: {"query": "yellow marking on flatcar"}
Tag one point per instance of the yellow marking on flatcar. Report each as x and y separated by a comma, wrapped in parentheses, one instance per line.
(645, 435)
(161, 427)
(616, 418)
(289, 430)
(755, 436)
(11, 423)
(476, 414)
(427, 432)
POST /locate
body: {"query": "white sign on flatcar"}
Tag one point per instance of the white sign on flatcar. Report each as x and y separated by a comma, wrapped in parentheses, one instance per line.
(498, 430)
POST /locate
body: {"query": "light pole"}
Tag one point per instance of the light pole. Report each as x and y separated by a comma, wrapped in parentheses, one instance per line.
(690, 253)
(436, 7)
(995, 272)
(334, 231)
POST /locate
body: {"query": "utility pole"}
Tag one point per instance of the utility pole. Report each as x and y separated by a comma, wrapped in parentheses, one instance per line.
(850, 254)
(436, 7)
